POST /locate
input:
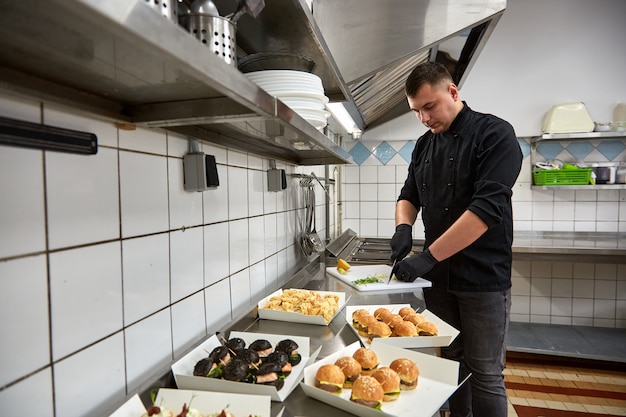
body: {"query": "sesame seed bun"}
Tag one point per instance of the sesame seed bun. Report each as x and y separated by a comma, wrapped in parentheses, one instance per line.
(368, 360)
(408, 372)
(390, 381)
(367, 391)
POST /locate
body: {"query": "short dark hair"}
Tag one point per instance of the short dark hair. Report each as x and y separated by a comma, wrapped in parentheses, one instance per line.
(425, 73)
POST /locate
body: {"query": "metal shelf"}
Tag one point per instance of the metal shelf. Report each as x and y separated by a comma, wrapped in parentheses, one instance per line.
(121, 59)
(579, 136)
(580, 187)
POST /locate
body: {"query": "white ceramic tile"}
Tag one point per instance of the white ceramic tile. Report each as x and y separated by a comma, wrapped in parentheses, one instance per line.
(543, 195)
(607, 211)
(604, 289)
(520, 286)
(584, 270)
(236, 158)
(606, 271)
(386, 210)
(387, 174)
(561, 306)
(185, 207)
(238, 245)
(352, 192)
(179, 145)
(85, 289)
(351, 174)
(563, 195)
(540, 305)
(584, 211)
(520, 304)
(219, 152)
(20, 108)
(270, 198)
(282, 267)
(588, 226)
(369, 174)
(564, 210)
(540, 286)
(542, 210)
(23, 317)
(520, 318)
(21, 202)
(257, 282)
(270, 240)
(217, 302)
(148, 347)
(237, 193)
(256, 239)
(15, 397)
(143, 183)
(281, 231)
(611, 226)
(608, 195)
(105, 130)
(621, 291)
(387, 192)
(604, 309)
(216, 253)
(188, 323)
(368, 192)
(586, 195)
(368, 210)
(144, 140)
(368, 228)
(386, 228)
(582, 321)
(563, 226)
(271, 274)
(562, 320)
(215, 201)
(582, 307)
(146, 272)
(562, 287)
(79, 393)
(582, 288)
(540, 318)
(255, 162)
(604, 322)
(255, 192)
(83, 198)
(540, 269)
(187, 262)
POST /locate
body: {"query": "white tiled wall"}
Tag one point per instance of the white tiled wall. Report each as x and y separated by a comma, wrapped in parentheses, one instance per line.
(545, 292)
(110, 271)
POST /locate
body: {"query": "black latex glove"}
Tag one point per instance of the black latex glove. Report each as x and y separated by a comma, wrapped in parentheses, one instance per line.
(414, 267)
(401, 242)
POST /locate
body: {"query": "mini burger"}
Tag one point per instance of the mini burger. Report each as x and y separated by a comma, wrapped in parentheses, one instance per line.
(291, 349)
(405, 311)
(351, 369)
(378, 329)
(330, 378)
(269, 374)
(390, 381)
(366, 322)
(367, 391)
(357, 315)
(394, 320)
(415, 318)
(368, 360)
(262, 347)
(427, 328)
(408, 372)
(382, 314)
(405, 329)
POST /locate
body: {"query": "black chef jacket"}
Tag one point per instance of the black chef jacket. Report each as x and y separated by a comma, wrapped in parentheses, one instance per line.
(472, 166)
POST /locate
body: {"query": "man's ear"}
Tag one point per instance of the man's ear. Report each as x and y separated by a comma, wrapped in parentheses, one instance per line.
(454, 91)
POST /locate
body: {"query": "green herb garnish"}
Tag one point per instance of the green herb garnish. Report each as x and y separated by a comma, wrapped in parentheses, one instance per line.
(372, 279)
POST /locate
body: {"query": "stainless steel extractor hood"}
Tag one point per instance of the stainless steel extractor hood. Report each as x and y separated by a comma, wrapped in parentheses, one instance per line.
(375, 45)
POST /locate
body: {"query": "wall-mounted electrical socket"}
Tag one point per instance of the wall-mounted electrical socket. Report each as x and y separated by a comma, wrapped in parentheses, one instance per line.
(200, 172)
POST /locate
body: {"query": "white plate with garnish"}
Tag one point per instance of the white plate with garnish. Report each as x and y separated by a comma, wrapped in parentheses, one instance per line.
(374, 278)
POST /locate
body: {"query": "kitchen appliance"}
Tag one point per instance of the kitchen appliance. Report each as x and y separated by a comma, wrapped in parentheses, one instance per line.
(568, 118)
(167, 8)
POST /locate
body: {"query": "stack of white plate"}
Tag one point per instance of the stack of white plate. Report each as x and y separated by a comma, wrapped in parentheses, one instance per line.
(302, 91)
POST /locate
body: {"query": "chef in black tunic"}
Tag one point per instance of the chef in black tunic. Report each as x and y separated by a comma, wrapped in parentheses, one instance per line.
(460, 178)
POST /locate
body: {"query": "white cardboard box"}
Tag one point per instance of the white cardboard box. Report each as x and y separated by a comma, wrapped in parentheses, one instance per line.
(446, 334)
(268, 314)
(208, 403)
(183, 368)
(437, 382)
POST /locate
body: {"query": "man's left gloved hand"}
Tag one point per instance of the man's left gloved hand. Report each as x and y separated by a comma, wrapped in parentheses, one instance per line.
(414, 266)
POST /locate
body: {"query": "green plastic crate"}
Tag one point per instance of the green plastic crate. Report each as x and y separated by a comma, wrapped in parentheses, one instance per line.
(579, 176)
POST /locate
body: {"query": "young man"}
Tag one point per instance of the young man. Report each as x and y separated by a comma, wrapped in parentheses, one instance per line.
(461, 177)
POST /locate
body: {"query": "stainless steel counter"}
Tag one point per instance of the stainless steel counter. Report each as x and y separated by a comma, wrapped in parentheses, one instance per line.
(331, 338)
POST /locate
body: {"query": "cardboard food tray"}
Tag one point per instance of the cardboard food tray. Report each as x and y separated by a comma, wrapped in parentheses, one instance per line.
(183, 368)
(268, 314)
(446, 334)
(363, 271)
(437, 382)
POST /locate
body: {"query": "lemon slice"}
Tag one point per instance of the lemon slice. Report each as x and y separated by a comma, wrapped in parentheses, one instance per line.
(341, 264)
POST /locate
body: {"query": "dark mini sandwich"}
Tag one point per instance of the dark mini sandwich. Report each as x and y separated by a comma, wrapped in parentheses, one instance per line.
(290, 348)
(269, 374)
(262, 347)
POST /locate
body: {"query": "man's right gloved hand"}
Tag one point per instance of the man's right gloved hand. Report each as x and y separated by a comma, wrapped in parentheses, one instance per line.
(401, 242)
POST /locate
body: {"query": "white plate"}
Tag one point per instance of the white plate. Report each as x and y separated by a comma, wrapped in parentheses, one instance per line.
(293, 317)
(437, 382)
(446, 334)
(212, 402)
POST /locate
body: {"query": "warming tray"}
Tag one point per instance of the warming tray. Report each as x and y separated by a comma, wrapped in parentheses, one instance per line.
(446, 334)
